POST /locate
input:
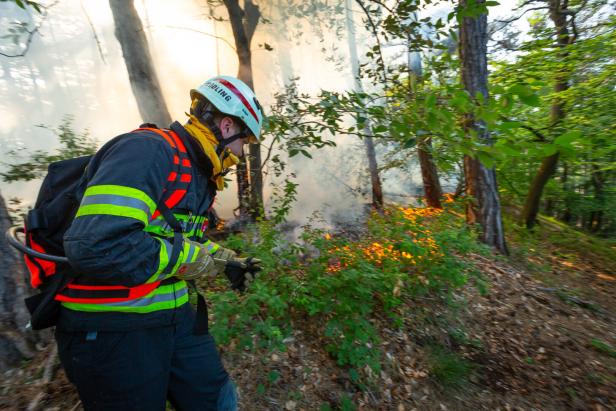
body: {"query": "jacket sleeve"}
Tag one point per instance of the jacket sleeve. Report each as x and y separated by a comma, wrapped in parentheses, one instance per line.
(106, 240)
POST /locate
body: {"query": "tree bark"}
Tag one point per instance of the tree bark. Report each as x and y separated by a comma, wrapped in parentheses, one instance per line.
(558, 10)
(429, 173)
(480, 181)
(141, 72)
(375, 179)
(15, 341)
(249, 177)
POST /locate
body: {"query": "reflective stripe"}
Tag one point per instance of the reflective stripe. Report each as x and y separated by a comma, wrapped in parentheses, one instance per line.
(211, 246)
(163, 298)
(121, 191)
(122, 201)
(106, 209)
(153, 298)
(192, 254)
(163, 259)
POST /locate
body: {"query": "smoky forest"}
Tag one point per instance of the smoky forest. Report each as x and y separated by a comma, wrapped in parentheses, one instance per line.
(432, 196)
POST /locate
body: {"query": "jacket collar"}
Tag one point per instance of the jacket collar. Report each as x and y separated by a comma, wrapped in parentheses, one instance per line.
(194, 150)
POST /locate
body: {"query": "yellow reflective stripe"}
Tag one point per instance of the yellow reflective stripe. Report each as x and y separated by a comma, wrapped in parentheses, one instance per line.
(211, 246)
(115, 210)
(163, 259)
(121, 191)
(140, 305)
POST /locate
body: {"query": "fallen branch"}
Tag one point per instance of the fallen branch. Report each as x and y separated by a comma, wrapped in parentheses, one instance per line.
(570, 298)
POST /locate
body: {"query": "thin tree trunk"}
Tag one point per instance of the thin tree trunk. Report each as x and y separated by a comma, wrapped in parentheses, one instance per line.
(141, 72)
(15, 341)
(429, 172)
(480, 180)
(558, 9)
(375, 179)
(249, 177)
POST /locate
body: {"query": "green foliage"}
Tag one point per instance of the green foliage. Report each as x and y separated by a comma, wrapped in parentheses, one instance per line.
(338, 286)
(448, 368)
(23, 3)
(72, 145)
(603, 348)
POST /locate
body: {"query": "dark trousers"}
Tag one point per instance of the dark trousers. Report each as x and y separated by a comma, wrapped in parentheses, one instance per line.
(141, 369)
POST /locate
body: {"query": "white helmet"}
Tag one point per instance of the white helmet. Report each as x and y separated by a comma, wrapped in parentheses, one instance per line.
(233, 97)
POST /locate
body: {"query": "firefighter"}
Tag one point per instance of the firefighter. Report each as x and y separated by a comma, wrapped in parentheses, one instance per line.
(127, 336)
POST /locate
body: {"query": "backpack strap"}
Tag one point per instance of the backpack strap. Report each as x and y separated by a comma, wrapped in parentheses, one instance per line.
(176, 189)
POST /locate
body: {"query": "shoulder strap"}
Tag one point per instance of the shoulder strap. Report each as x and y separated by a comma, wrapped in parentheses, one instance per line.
(174, 191)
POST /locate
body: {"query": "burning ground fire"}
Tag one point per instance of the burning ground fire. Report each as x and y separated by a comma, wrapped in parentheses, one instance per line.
(417, 244)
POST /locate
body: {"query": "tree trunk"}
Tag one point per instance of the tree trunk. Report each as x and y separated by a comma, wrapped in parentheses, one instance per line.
(558, 15)
(429, 173)
(249, 177)
(141, 72)
(480, 180)
(15, 340)
(375, 179)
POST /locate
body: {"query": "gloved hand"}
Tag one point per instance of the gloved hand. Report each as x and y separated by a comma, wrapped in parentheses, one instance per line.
(221, 257)
(202, 266)
(242, 271)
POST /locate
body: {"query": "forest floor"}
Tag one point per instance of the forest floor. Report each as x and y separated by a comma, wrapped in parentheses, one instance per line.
(536, 332)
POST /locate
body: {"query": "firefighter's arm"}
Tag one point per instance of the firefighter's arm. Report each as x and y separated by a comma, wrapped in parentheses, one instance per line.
(106, 240)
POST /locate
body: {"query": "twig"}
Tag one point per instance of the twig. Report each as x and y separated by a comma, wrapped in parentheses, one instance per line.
(200, 32)
(32, 32)
(76, 406)
(96, 39)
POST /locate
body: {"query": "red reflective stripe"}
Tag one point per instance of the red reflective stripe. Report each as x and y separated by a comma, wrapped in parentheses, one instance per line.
(240, 96)
(35, 272)
(186, 178)
(133, 293)
(186, 162)
(177, 141)
(175, 198)
(172, 176)
(160, 133)
(96, 287)
(176, 160)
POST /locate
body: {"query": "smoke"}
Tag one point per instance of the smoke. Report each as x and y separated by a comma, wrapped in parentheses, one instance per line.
(66, 72)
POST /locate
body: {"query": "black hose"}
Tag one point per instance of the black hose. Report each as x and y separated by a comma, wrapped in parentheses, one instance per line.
(11, 237)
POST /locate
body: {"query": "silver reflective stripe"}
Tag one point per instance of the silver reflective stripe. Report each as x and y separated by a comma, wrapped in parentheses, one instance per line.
(156, 298)
(209, 245)
(191, 252)
(102, 199)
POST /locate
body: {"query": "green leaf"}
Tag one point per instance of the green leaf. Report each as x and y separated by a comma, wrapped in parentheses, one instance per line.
(532, 100)
(485, 159)
(567, 138)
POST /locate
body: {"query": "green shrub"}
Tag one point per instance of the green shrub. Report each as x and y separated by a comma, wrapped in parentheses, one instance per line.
(338, 285)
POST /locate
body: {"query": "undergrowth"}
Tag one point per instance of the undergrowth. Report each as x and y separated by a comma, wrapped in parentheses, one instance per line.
(333, 287)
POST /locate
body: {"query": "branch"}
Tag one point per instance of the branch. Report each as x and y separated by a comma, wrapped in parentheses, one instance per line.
(380, 3)
(98, 43)
(376, 35)
(33, 32)
(200, 32)
(540, 136)
(511, 20)
(252, 16)
(269, 154)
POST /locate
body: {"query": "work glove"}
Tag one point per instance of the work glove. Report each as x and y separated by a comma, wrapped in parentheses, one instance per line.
(221, 257)
(242, 271)
(204, 265)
